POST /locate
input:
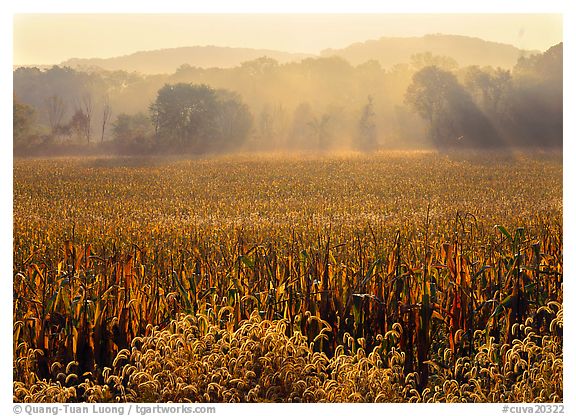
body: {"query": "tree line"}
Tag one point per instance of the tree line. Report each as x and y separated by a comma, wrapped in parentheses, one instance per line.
(317, 103)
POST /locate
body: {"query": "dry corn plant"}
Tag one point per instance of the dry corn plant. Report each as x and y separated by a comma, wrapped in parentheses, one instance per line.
(261, 279)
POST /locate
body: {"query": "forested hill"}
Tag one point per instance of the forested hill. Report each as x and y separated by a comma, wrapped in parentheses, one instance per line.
(167, 61)
(463, 49)
(387, 51)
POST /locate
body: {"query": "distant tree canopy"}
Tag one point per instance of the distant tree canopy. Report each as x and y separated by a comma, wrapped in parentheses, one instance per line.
(130, 128)
(133, 134)
(491, 89)
(367, 135)
(422, 60)
(315, 103)
(197, 118)
(537, 110)
(454, 119)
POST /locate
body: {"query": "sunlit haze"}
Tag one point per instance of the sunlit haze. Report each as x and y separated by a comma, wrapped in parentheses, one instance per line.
(52, 38)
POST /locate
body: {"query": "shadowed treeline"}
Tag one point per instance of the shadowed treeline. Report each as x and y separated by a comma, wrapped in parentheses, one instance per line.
(315, 104)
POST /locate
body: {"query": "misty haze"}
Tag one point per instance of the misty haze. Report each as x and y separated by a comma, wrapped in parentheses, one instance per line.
(373, 222)
(437, 91)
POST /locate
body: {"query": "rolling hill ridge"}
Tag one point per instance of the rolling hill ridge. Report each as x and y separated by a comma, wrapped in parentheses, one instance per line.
(387, 51)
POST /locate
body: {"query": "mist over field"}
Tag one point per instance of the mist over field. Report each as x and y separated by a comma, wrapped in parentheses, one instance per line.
(433, 92)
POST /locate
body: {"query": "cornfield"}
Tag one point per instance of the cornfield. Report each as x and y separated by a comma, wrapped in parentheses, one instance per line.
(393, 277)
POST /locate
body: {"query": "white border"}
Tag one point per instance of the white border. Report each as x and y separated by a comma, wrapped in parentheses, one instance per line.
(294, 6)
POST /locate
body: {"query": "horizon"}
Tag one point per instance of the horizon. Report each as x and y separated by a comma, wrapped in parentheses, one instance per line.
(72, 36)
(315, 55)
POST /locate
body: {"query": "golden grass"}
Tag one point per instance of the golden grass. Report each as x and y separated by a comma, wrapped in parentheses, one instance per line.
(391, 277)
(259, 362)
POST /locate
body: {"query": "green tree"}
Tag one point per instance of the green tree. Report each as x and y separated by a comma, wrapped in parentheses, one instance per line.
(538, 68)
(232, 122)
(79, 125)
(128, 128)
(490, 88)
(431, 95)
(453, 117)
(198, 118)
(133, 134)
(538, 98)
(23, 119)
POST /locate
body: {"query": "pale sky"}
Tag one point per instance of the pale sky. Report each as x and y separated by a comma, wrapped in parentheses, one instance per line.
(52, 38)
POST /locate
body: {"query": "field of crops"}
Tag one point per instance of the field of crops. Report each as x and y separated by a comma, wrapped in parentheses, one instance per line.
(391, 277)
